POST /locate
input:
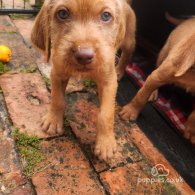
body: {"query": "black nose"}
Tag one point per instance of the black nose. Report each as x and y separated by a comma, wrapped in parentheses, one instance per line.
(84, 55)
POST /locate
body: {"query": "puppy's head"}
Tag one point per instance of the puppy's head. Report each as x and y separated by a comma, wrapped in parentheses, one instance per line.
(83, 34)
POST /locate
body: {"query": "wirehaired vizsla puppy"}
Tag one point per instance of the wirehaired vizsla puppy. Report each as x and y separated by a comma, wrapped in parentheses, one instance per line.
(82, 37)
(176, 65)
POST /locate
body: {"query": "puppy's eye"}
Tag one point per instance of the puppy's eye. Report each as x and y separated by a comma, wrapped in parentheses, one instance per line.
(63, 14)
(106, 16)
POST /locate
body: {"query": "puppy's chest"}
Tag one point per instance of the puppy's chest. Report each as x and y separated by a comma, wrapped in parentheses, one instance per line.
(187, 81)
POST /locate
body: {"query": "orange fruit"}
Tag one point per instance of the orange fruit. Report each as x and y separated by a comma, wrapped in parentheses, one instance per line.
(5, 53)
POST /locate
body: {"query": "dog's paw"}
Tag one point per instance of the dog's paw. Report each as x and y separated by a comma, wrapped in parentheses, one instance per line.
(189, 133)
(52, 124)
(105, 147)
(128, 112)
(154, 96)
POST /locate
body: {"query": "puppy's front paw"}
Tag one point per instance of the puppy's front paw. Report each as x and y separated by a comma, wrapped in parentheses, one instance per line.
(129, 112)
(52, 124)
(105, 147)
(190, 133)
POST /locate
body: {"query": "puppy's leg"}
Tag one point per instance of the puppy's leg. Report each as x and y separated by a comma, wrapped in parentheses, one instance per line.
(163, 54)
(161, 57)
(189, 133)
(105, 141)
(53, 121)
(154, 96)
(128, 44)
(158, 78)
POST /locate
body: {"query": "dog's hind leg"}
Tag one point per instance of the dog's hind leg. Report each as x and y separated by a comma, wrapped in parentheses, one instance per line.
(161, 57)
(189, 132)
(159, 77)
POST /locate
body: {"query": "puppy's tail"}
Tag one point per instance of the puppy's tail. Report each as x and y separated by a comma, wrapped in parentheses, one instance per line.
(173, 20)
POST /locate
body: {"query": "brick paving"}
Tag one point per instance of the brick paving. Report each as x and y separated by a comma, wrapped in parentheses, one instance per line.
(26, 91)
(69, 166)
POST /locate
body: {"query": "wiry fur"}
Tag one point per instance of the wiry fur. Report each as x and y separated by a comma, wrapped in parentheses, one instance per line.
(85, 29)
(176, 65)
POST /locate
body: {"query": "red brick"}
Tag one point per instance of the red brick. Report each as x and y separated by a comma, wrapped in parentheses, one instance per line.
(155, 157)
(22, 56)
(65, 170)
(6, 24)
(24, 26)
(74, 85)
(9, 164)
(21, 192)
(125, 180)
(27, 99)
(82, 113)
(11, 177)
(44, 68)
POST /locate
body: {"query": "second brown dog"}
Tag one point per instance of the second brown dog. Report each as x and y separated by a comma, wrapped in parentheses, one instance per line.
(176, 65)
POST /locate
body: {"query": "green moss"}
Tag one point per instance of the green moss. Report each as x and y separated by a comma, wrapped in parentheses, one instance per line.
(129, 147)
(89, 83)
(66, 123)
(3, 68)
(29, 150)
(20, 16)
(168, 188)
(29, 69)
(38, 3)
(46, 80)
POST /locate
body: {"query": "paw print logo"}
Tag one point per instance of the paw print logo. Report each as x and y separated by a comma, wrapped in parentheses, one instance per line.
(159, 170)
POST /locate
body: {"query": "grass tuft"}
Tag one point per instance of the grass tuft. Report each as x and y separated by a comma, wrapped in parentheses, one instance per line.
(66, 123)
(29, 69)
(89, 83)
(3, 68)
(29, 150)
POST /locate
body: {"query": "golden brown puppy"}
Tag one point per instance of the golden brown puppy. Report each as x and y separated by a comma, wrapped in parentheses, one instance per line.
(83, 37)
(176, 64)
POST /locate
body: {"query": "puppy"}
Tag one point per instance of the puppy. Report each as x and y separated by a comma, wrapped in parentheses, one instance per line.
(82, 38)
(175, 65)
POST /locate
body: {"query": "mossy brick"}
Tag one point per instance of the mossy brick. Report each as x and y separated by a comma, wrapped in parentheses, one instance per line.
(129, 180)
(155, 157)
(27, 101)
(11, 177)
(65, 170)
(81, 111)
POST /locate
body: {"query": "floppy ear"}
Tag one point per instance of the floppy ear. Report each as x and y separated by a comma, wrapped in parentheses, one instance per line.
(40, 35)
(126, 24)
